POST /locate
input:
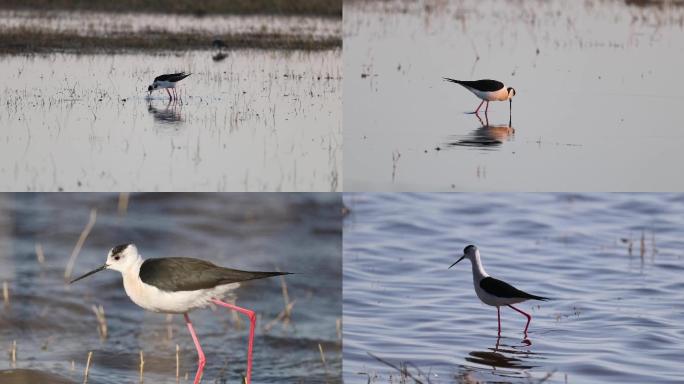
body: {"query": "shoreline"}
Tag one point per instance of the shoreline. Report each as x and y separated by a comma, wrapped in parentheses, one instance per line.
(36, 42)
(199, 8)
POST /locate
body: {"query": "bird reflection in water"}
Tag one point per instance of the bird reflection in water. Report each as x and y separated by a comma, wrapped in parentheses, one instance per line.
(170, 114)
(486, 136)
(504, 356)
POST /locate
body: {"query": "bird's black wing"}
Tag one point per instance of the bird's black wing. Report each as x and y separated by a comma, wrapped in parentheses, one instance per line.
(172, 77)
(187, 274)
(502, 289)
(485, 85)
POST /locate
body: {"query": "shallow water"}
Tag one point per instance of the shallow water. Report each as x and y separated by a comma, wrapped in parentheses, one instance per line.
(615, 314)
(53, 323)
(596, 106)
(258, 120)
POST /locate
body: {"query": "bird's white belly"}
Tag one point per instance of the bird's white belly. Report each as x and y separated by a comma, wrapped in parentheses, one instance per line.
(156, 300)
(500, 95)
(495, 300)
(165, 84)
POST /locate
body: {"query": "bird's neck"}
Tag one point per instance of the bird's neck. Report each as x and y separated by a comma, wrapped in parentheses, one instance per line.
(479, 272)
(131, 274)
(131, 281)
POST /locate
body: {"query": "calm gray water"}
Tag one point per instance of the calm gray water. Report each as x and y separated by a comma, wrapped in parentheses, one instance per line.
(616, 315)
(53, 323)
(257, 121)
(596, 109)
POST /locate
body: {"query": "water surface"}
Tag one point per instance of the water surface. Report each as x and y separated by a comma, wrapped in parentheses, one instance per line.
(257, 120)
(613, 264)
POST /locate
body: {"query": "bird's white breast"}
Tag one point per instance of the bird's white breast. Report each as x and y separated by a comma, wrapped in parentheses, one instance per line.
(500, 95)
(165, 84)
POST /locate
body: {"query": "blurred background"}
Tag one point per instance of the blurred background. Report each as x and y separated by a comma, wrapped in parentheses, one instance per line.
(47, 328)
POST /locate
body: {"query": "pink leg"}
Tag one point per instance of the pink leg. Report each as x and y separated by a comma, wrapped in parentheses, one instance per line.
(167, 91)
(529, 318)
(498, 318)
(478, 107)
(252, 325)
(486, 108)
(202, 360)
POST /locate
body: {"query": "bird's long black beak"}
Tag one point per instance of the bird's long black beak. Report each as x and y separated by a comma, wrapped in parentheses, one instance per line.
(462, 257)
(89, 273)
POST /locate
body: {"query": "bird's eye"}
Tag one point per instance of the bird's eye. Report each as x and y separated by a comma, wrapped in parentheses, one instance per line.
(117, 257)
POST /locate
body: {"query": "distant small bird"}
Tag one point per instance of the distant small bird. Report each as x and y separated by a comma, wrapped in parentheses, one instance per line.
(492, 291)
(488, 90)
(168, 81)
(179, 285)
(218, 43)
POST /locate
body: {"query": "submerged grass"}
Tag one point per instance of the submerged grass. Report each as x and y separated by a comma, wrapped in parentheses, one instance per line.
(327, 8)
(21, 41)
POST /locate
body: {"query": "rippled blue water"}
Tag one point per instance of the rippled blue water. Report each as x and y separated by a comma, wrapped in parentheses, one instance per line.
(53, 323)
(616, 314)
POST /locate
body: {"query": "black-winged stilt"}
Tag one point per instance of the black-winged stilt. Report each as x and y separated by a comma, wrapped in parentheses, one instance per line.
(488, 90)
(179, 285)
(167, 81)
(495, 292)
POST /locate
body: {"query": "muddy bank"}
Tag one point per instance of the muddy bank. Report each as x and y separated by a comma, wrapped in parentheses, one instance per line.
(36, 41)
(327, 8)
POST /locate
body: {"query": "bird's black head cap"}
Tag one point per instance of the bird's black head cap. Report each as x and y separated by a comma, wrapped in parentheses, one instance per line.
(468, 249)
(119, 248)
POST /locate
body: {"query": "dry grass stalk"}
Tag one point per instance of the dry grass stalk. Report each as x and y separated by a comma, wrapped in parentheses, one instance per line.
(79, 243)
(87, 368)
(286, 295)
(282, 316)
(13, 353)
(39, 253)
(101, 321)
(338, 327)
(325, 364)
(5, 293)
(169, 327)
(286, 313)
(122, 209)
(142, 365)
(177, 362)
(404, 371)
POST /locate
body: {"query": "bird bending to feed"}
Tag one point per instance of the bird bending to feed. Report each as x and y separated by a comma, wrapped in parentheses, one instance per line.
(168, 81)
(495, 292)
(179, 285)
(488, 90)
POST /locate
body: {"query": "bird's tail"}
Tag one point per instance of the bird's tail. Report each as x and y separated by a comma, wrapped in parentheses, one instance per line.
(535, 297)
(452, 80)
(262, 275)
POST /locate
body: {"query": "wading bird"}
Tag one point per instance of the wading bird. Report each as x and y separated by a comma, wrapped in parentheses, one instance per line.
(495, 292)
(488, 90)
(168, 81)
(179, 285)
